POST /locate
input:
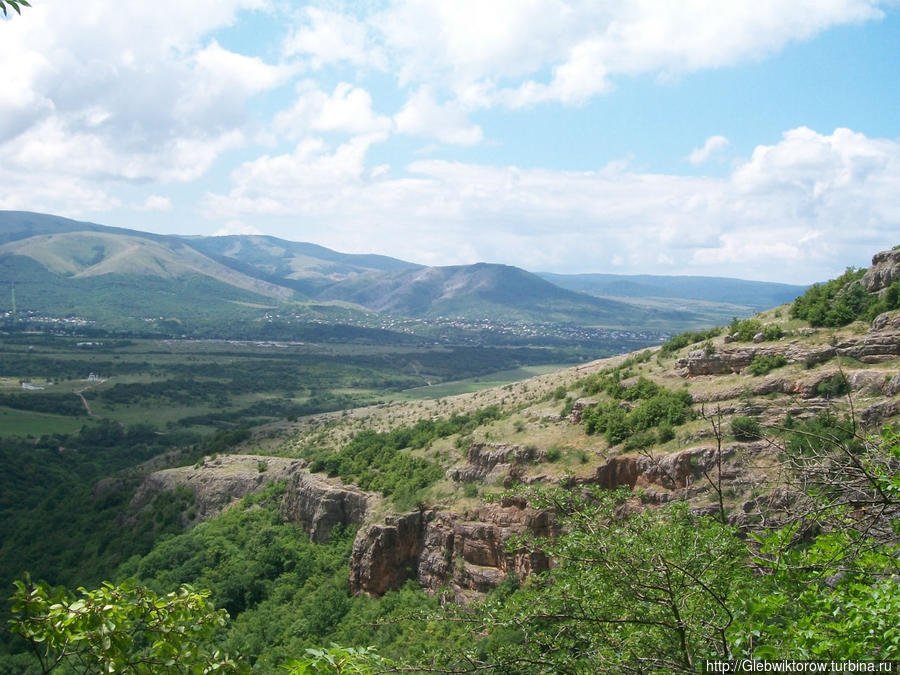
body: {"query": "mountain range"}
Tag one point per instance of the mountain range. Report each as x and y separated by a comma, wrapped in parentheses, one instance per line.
(61, 267)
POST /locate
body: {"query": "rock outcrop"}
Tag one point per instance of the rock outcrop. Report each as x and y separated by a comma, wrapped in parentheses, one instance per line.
(216, 482)
(492, 460)
(880, 343)
(318, 505)
(313, 502)
(466, 552)
(884, 271)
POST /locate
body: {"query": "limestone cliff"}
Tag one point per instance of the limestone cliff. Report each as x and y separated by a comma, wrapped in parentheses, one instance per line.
(312, 501)
(466, 552)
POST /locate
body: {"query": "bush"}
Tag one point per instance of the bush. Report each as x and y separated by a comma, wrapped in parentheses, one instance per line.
(746, 429)
(687, 338)
(662, 407)
(763, 364)
(836, 385)
(836, 303)
(744, 330)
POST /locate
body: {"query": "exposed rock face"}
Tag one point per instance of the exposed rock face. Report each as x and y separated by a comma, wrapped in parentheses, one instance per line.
(312, 502)
(384, 556)
(880, 343)
(216, 482)
(884, 271)
(673, 471)
(578, 408)
(318, 505)
(491, 460)
(467, 552)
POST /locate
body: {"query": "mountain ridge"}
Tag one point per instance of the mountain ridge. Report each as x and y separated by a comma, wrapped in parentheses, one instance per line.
(278, 272)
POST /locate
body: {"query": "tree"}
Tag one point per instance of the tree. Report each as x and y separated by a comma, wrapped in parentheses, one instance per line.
(119, 628)
(644, 591)
(14, 4)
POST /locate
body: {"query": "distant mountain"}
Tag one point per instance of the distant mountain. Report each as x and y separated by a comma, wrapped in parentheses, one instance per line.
(754, 295)
(63, 267)
(482, 290)
(304, 267)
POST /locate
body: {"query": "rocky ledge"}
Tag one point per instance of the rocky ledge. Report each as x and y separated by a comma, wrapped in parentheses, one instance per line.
(880, 343)
(312, 501)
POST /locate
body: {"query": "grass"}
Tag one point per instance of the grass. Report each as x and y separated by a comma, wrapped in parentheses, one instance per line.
(474, 384)
(26, 422)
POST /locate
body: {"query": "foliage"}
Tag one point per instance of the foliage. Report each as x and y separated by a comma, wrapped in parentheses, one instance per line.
(656, 406)
(763, 364)
(840, 301)
(339, 660)
(14, 4)
(746, 428)
(681, 340)
(828, 585)
(834, 386)
(376, 461)
(647, 592)
(118, 628)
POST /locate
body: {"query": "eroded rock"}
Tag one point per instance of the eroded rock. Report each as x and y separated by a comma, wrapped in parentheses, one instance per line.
(467, 552)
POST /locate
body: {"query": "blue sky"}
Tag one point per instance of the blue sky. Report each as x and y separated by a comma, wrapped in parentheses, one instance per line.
(755, 139)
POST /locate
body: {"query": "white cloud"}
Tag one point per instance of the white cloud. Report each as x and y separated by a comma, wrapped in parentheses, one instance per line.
(421, 115)
(347, 109)
(769, 216)
(712, 146)
(497, 53)
(106, 91)
(329, 37)
(156, 203)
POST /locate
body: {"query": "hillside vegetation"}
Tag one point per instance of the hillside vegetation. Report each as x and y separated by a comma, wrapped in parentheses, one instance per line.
(730, 494)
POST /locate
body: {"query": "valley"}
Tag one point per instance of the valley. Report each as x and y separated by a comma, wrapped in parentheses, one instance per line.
(334, 475)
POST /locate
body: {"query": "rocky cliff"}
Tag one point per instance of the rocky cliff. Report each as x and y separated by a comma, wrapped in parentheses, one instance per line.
(313, 502)
(466, 552)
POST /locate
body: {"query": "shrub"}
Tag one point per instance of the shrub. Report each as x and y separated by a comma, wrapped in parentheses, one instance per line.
(836, 385)
(687, 338)
(746, 429)
(764, 363)
(773, 332)
(744, 330)
(553, 454)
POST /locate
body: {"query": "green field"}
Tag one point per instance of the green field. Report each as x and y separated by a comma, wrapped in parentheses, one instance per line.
(198, 385)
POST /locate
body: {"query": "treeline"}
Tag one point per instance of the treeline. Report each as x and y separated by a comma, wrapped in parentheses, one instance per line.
(55, 404)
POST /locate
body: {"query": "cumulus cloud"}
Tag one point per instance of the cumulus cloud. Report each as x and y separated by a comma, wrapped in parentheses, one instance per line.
(107, 91)
(493, 53)
(235, 227)
(422, 115)
(712, 146)
(347, 109)
(768, 212)
(328, 37)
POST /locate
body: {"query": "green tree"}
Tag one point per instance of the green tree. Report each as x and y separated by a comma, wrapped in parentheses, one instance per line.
(648, 592)
(337, 660)
(124, 628)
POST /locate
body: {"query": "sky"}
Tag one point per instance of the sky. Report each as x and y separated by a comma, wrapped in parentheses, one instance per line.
(757, 139)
